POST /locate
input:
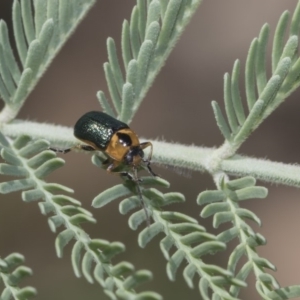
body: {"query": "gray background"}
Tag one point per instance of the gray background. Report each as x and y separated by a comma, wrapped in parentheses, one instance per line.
(177, 108)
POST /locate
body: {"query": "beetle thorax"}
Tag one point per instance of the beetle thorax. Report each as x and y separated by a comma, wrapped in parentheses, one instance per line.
(124, 146)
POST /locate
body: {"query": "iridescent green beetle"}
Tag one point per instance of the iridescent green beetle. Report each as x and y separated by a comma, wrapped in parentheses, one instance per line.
(99, 131)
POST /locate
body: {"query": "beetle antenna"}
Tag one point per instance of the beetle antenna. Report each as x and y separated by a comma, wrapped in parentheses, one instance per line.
(139, 191)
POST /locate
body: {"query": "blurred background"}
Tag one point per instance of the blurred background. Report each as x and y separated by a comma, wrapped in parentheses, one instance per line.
(177, 108)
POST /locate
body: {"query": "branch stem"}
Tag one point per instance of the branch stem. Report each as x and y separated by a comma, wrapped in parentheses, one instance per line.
(176, 155)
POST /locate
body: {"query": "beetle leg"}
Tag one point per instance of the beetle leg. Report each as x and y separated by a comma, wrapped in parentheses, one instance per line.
(148, 161)
(85, 147)
(79, 146)
(64, 151)
(145, 145)
(149, 169)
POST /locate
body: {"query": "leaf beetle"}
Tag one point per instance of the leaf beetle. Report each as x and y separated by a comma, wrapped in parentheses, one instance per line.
(99, 131)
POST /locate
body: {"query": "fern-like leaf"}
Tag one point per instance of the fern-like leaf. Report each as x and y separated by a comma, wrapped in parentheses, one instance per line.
(230, 194)
(263, 94)
(40, 30)
(11, 273)
(182, 232)
(89, 256)
(147, 40)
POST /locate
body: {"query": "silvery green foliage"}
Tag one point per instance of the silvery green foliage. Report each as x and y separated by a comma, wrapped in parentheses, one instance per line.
(12, 272)
(40, 29)
(32, 161)
(263, 94)
(147, 40)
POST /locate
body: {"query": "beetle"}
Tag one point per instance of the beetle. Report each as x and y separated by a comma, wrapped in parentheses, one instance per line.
(99, 131)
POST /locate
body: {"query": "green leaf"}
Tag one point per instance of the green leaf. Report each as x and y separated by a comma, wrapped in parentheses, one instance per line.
(149, 233)
(222, 217)
(288, 292)
(183, 228)
(55, 221)
(269, 279)
(165, 245)
(125, 43)
(278, 42)
(121, 269)
(235, 94)
(27, 16)
(177, 217)
(189, 273)
(136, 219)
(221, 122)
(114, 249)
(216, 270)
(210, 196)
(197, 237)
(65, 200)
(208, 248)
(48, 167)
(26, 292)
(18, 32)
(214, 208)
(62, 240)
(250, 75)
(86, 266)
(203, 288)
(154, 181)
(174, 263)
(134, 32)
(106, 107)
(254, 117)
(235, 257)
(157, 197)
(264, 263)
(46, 207)
(114, 63)
(6, 294)
(129, 204)
(128, 98)
(148, 296)
(109, 195)
(260, 68)
(8, 52)
(241, 183)
(153, 12)
(143, 60)
(137, 278)
(169, 20)
(18, 274)
(21, 141)
(252, 192)
(153, 32)
(80, 218)
(242, 275)
(16, 171)
(33, 195)
(22, 90)
(289, 49)
(76, 257)
(16, 185)
(245, 213)
(57, 188)
(229, 108)
(33, 148)
(228, 235)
